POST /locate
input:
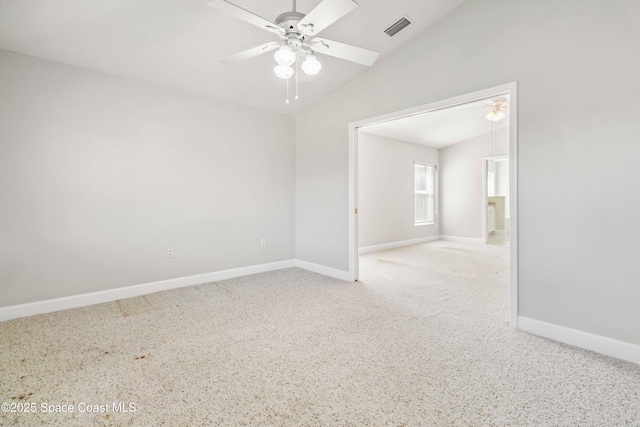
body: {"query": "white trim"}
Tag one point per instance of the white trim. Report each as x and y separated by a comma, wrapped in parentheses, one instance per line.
(353, 205)
(598, 343)
(82, 300)
(485, 200)
(397, 244)
(513, 202)
(511, 89)
(324, 270)
(439, 105)
(462, 239)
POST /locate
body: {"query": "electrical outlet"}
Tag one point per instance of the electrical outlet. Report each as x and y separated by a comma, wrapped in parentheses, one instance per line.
(263, 242)
(169, 252)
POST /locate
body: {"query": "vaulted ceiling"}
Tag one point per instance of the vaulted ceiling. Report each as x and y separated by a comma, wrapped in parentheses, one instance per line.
(177, 43)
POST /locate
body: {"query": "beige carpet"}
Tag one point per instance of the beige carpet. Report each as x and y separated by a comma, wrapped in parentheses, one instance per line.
(422, 340)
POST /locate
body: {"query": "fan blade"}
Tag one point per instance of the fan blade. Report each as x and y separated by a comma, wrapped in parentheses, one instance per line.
(325, 14)
(245, 15)
(344, 51)
(250, 53)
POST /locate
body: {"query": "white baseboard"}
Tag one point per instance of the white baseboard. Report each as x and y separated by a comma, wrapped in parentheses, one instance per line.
(321, 269)
(461, 239)
(598, 343)
(57, 304)
(384, 246)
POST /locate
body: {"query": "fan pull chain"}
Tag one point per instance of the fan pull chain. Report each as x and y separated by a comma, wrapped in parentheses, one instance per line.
(287, 101)
(297, 72)
(494, 143)
(495, 138)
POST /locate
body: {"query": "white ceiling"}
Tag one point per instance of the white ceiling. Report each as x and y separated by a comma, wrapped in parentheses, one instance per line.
(441, 128)
(177, 43)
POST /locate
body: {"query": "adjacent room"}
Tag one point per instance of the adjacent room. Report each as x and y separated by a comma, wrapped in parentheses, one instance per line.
(419, 178)
(207, 218)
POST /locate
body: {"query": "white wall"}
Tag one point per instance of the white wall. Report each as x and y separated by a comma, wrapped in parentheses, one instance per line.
(577, 67)
(100, 174)
(461, 182)
(386, 190)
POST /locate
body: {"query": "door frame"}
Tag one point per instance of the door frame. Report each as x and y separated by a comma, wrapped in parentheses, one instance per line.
(508, 88)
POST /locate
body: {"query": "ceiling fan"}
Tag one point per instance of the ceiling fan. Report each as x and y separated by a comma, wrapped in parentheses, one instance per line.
(498, 107)
(298, 32)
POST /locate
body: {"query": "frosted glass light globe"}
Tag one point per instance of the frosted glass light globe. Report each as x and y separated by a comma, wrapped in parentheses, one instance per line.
(311, 65)
(283, 71)
(284, 56)
(495, 116)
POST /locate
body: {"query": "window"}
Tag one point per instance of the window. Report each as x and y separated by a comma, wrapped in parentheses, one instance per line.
(424, 178)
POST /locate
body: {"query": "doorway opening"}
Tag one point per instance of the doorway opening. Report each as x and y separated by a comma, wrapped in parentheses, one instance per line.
(496, 203)
(443, 226)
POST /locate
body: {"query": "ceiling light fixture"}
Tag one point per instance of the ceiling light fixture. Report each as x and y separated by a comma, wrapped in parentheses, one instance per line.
(298, 38)
(287, 55)
(284, 55)
(495, 115)
(498, 106)
(283, 71)
(311, 65)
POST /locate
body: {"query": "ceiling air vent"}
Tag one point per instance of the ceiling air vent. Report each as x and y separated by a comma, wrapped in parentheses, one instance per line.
(397, 26)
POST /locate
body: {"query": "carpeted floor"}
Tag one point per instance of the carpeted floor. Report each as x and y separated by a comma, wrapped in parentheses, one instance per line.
(422, 340)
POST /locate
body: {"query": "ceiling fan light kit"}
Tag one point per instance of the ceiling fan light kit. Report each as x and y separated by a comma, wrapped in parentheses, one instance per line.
(297, 32)
(495, 116)
(284, 55)
(311, 65)
(285, 58)
(283, 71)
(498, 105)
